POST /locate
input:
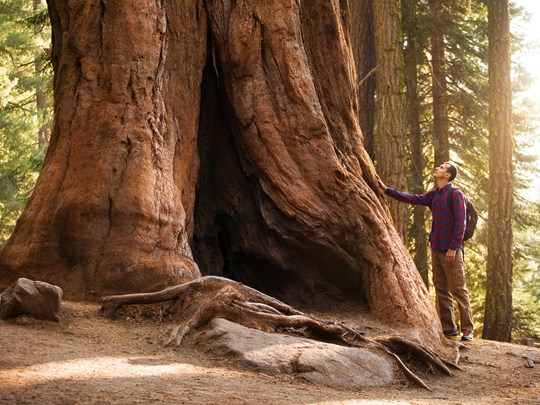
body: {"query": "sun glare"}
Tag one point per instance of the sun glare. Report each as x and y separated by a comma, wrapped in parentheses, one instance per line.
(530, 59)
(92, 368)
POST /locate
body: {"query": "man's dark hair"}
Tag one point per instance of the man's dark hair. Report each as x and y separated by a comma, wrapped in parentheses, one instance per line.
(452, 170)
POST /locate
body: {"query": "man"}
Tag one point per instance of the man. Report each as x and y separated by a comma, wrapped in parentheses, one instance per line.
(446, 240)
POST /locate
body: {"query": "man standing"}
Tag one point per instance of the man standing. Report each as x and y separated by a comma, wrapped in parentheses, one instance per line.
(446, 240)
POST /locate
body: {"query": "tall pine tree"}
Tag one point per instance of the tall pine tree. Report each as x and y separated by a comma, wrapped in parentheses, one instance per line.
(498, 313)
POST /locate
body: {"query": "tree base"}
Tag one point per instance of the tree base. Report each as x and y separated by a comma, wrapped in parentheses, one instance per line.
(199, 301)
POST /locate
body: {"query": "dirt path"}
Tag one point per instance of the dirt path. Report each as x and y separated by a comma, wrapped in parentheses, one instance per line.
(86, 359)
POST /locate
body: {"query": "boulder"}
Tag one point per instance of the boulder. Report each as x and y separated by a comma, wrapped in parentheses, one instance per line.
(277, 354)
(37, 299)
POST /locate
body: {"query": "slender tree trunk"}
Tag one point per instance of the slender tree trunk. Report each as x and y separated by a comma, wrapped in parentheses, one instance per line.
(362, 37)
(389, 116)
(498, 312)
(439, 88)
(412, 56)
(287, 197)
(41, 106)
(41, 95)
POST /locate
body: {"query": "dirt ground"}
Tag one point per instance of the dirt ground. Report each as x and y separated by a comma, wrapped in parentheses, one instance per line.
(86, 359)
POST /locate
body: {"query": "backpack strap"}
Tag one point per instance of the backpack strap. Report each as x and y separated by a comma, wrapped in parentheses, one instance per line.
(450, 202)
(450, 199)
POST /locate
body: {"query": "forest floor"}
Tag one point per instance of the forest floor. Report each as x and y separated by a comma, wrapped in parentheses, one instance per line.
(87, 359)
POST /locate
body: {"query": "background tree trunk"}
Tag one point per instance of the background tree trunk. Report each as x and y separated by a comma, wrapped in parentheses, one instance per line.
(498, 312)
(412, 56)
(389, 115)
(287, 198)
(41, 96)
(439, 88)
(362, 38)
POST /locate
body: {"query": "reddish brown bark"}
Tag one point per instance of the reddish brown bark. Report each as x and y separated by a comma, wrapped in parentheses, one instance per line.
(498, 311)
(113, 206)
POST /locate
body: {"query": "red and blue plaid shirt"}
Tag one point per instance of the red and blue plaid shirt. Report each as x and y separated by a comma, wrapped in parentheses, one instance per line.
(447, 227)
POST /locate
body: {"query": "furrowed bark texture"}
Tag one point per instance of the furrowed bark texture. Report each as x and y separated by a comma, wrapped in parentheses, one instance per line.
(412, 57)
(287, 199)
(439, 87)
(498, 312)
(113, 206)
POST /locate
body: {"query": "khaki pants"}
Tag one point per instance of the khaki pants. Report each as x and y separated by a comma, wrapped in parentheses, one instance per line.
(449, 282)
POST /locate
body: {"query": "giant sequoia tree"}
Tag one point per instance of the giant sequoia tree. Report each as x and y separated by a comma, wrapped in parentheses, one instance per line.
(214, 138)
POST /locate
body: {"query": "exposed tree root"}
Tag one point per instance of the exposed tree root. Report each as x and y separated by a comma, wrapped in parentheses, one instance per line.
(408, 373)
(201, 300)
(399, 345)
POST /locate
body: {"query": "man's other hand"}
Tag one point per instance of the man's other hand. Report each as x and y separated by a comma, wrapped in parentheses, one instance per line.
(450, 255)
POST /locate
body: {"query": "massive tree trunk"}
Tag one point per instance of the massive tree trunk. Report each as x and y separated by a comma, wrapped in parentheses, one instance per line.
(112, 210)
(390, 103)
(412, 56)
(287, 198)
(498, 312)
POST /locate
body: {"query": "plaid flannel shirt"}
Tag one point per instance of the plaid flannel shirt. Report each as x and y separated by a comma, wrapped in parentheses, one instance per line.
(447, 227)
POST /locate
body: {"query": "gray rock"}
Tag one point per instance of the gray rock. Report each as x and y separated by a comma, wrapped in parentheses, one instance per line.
(277, 354)
(37, 299)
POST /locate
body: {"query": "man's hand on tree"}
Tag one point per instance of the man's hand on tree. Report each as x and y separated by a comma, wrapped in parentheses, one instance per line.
(382, 186)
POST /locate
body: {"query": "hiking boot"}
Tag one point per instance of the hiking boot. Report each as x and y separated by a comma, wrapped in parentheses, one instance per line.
(452, 335)
(467, 336)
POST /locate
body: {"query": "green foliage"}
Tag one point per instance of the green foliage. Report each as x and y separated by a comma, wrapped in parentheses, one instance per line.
(25, 76)
(526, 314)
